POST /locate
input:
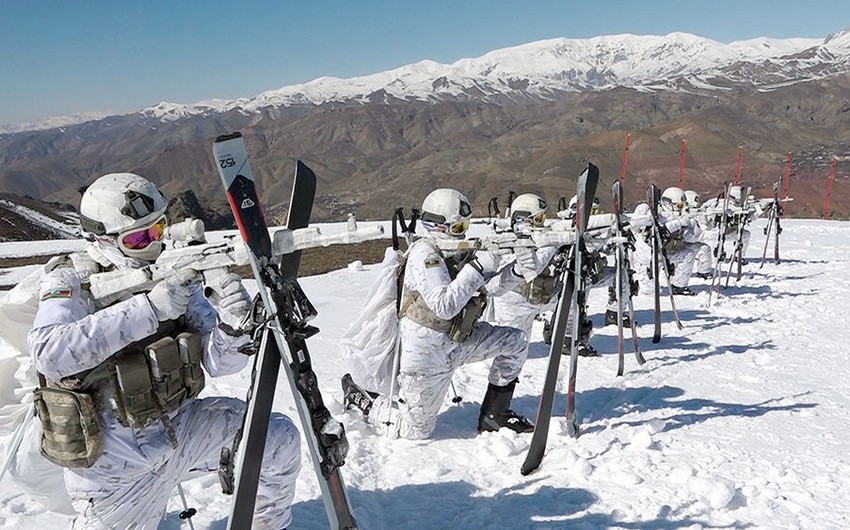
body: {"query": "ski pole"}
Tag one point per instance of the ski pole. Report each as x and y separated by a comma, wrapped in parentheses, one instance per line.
(187, 512)
(16, 444)
(393, 381)
(456, 399)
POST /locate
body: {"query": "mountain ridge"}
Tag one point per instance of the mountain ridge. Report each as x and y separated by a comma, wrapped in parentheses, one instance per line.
(385, 151)
(560, 64)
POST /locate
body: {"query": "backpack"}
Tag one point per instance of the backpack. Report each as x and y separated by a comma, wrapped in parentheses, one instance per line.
(369, 345)
(17, 312)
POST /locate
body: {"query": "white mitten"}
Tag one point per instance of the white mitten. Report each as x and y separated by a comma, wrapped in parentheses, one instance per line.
(486, 263)
(526, 263)
(232, 301)
(170, 297)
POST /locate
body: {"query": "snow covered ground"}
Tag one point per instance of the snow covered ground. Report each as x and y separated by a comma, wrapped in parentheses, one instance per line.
(740, 420)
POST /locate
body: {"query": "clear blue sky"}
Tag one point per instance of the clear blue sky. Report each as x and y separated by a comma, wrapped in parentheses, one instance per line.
(62, 57)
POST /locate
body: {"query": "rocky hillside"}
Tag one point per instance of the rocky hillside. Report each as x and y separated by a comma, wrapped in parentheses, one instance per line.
(28, 219)
(489, 125)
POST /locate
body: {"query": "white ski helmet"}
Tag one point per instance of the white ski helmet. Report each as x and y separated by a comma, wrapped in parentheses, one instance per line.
(446, 210)
(675, 196)
(530, 207)
(735, 194)
(574, 201)
(130, 209)
(693, 199)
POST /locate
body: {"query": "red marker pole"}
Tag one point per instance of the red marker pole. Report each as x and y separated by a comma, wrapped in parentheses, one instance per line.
(682, 165)
(738, 168)
(829, 189)
(625, 159)
(787, 178)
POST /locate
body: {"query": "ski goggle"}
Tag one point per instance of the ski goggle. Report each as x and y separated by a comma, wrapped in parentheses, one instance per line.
(459, 228)
(139, 239)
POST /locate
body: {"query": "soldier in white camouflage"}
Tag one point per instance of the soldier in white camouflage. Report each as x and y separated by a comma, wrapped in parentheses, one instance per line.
(442, 299)
(117, 399)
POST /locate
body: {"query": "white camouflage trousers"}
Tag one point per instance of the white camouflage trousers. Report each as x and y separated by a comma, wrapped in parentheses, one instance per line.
(428, 361)
(130, 485)
(683, 261)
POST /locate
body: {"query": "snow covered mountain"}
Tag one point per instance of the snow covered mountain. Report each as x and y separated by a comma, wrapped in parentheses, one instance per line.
(544, 69)
(53, 122)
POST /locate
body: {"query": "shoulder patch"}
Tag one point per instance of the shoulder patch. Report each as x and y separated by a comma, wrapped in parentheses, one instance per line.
(55, 293)
(431, 262)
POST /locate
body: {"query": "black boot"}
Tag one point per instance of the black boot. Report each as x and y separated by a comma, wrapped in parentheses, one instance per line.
(703, 275)
(547, 332)
(356, 396)
(583, 346)
(683, 291)
(611, 319)
(495, 411)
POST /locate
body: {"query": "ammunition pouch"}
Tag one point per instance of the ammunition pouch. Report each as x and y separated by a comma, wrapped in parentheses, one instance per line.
(673, 245)
(70, 431)
(538, 291)
(151, 385)
(464, 322)
(139, 386)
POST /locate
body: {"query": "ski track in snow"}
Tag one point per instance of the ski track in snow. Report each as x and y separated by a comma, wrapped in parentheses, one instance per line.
(736, 421)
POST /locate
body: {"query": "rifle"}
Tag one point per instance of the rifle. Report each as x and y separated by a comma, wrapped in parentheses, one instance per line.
(213, 260)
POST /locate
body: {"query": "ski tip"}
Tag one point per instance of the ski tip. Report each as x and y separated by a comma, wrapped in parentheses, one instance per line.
(303, 171)
(572, 429)
(527, 468)
(225, 137)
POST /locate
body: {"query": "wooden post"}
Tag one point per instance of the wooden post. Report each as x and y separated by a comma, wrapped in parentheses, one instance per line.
(787, 178)
(738, 168)
(829, 189)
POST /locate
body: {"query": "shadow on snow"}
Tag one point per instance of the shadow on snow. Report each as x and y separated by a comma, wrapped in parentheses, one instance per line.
(458, 505)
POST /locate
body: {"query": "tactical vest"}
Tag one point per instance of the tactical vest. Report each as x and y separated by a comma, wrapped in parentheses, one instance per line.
(140, 384)
(540, 290)
(460, 326)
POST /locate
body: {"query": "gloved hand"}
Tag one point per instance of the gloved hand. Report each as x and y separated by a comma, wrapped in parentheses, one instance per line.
(486, 263)
(229, 298)
(526, 263)
(170, 297)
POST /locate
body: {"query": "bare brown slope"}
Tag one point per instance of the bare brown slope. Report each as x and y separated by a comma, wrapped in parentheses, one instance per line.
(372, 158)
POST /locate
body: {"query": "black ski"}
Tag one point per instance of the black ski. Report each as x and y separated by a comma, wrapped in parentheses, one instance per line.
(584, 203)
(738, 250)
(287, 304)
(651, 200)
(556, 347)
(719, 252)
(653, 195)
(777, 206)
(622, 266)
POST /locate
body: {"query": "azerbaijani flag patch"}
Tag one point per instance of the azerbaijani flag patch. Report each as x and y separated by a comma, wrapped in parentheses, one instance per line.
(432, 262)
(56, 293)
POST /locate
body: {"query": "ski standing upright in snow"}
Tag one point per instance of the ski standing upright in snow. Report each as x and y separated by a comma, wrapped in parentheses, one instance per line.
(737, 253)
(773, 218)
(653, 197)
(567, 304)
(719, 253)
(283, 339)
(584, 202)
(623, 242)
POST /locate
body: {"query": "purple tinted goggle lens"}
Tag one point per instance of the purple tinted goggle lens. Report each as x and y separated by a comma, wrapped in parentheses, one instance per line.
(142, 238)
